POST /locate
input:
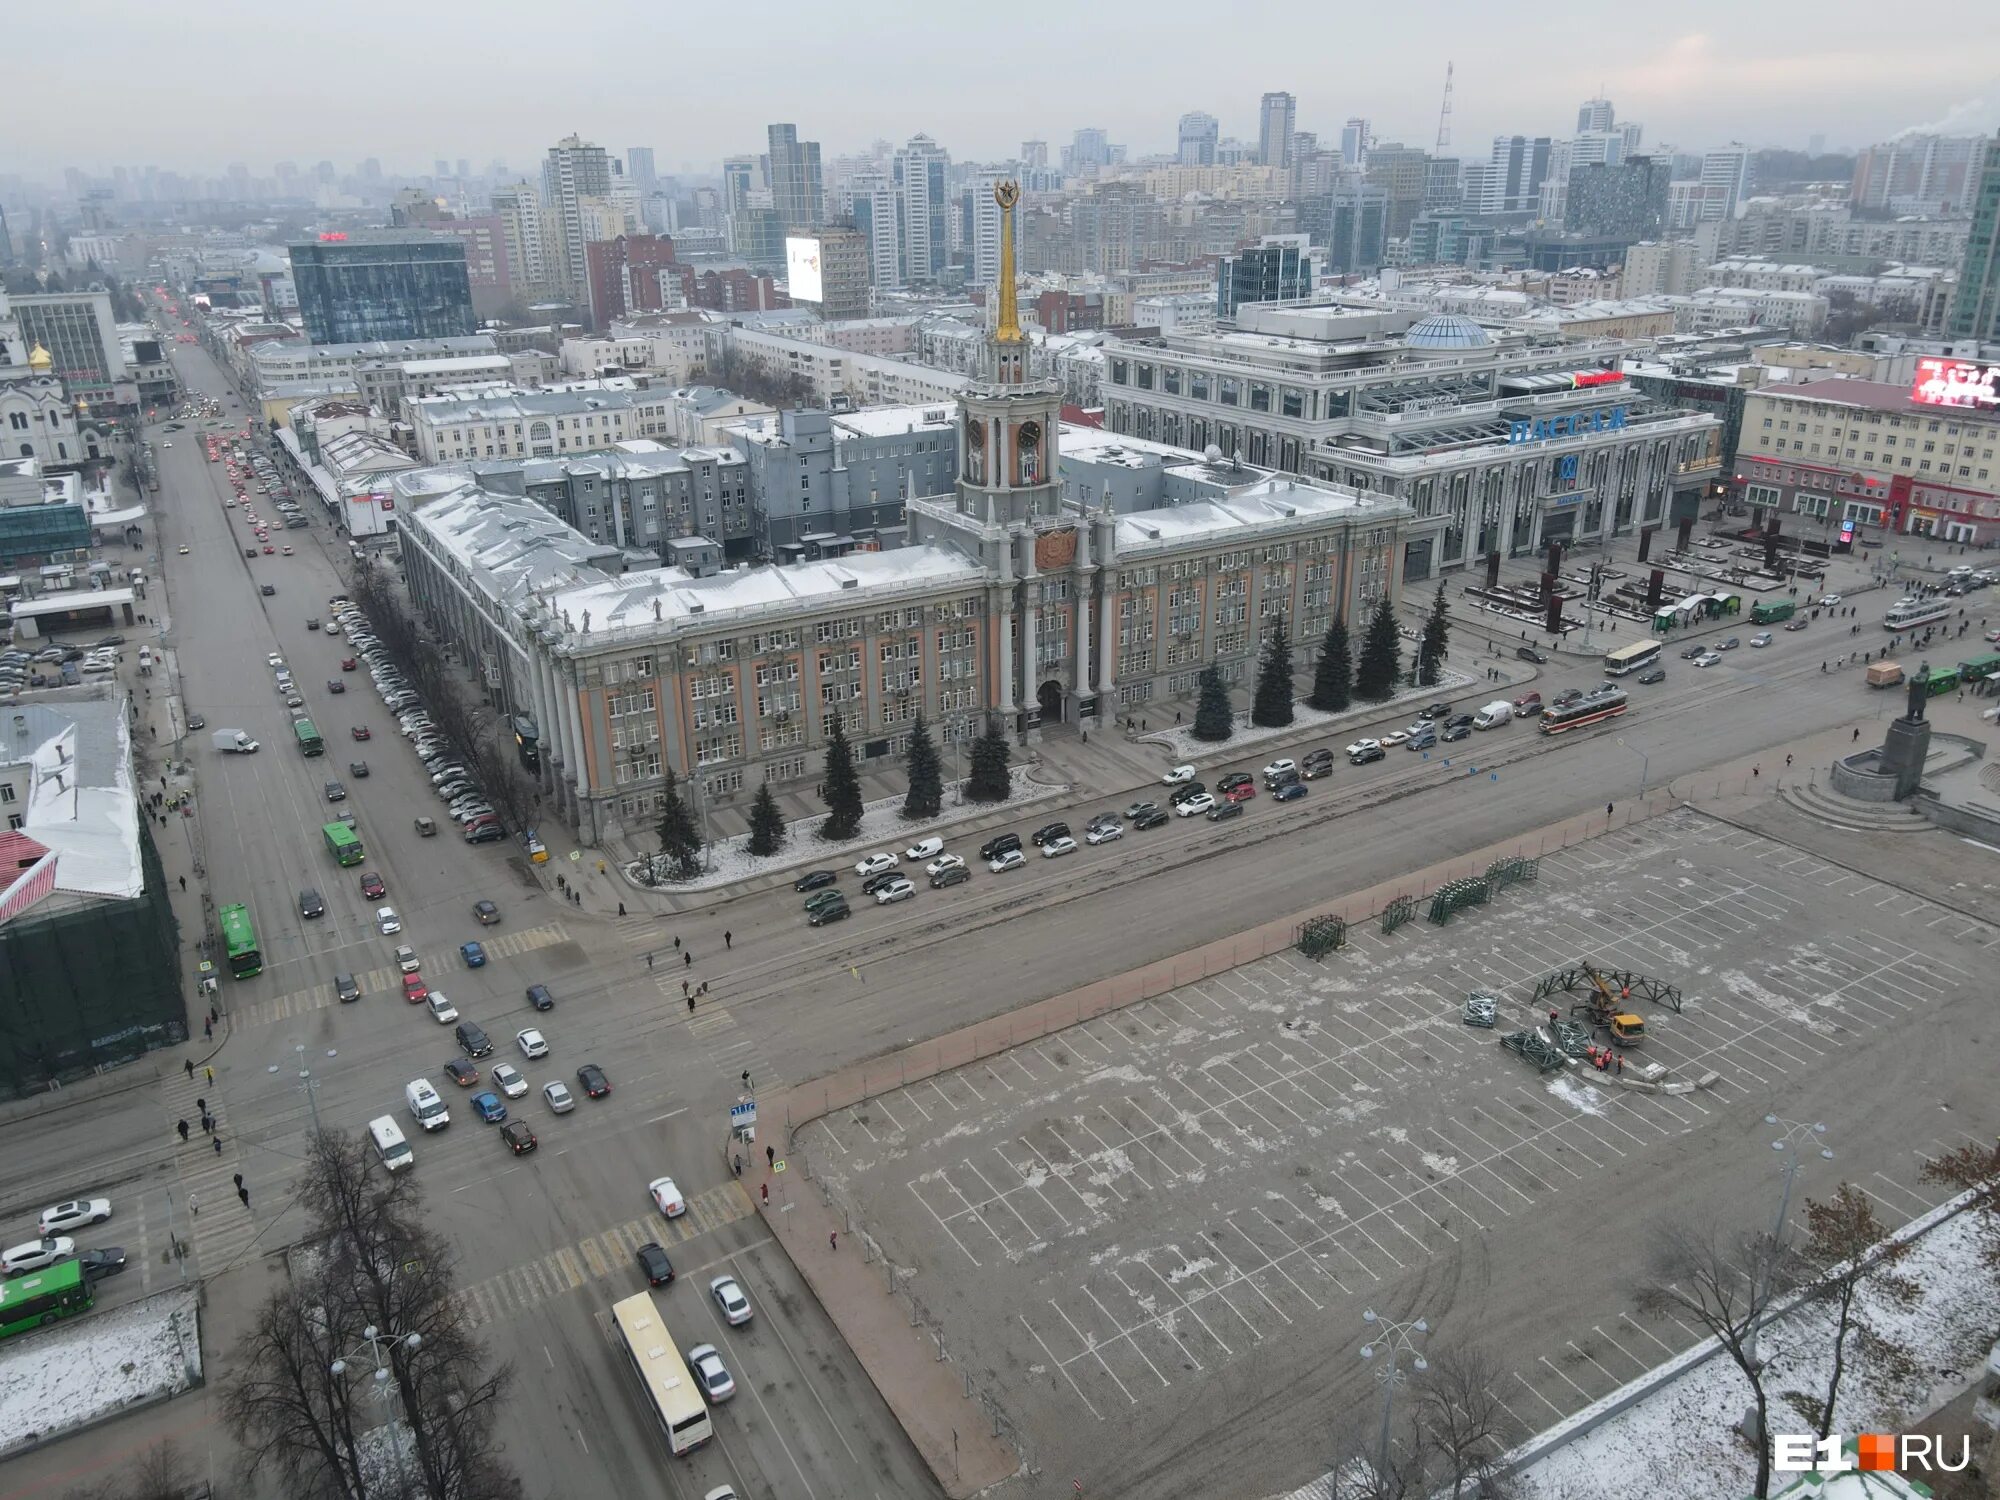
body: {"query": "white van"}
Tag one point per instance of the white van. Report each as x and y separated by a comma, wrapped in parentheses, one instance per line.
(425, 1104)
(389, 1143)
(1496, 713)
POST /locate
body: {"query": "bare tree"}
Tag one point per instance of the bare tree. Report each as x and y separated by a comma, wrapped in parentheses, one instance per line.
(288, 1411)
(1975, 1170)
(160, 1473)
(1464, 1423)
(1725, 1285)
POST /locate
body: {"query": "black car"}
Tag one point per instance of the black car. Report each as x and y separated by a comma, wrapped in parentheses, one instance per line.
(1050, 831)
(519, 1138)
(1529, 653)
(1691, 652)
(540, 998)
(1568, 696)
(358, 769)
(196, 721)
(1367, 753)
(593, 1080)
(1232, 781)
(954, 875)
(1436, 711)
(335, 685)
(1185, 791)
(486, 835)
(269, 591)
(833, 911)
(654, 1263)
(1317, 764)
(1456, 720)
(1647, 679)
(1455, 731)
(1223, 810)
(107, 1260)
(1151, 818)
(345, 990)
(310, 904)
(1000, 845)
(475, 1041)
(335, 792)
(812, 880)
(461, 1072)
(875, 883)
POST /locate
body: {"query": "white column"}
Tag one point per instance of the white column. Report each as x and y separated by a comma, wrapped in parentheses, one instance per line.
(1083, 641)
(1030, 607)
(1107, 682)
(546, 720)
(1005, 625)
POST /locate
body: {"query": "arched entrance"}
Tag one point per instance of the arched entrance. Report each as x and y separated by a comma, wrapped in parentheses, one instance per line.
(1050, 697)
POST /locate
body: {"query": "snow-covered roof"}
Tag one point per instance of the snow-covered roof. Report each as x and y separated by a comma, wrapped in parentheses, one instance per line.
(894, 421)
(1279, 498)
(81, 802)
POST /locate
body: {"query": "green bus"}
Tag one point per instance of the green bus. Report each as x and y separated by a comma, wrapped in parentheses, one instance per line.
(1978, 668)
(309, 741)
(343, 843)
(1771, 611)
(1939, 681)
(27, 1302)
(239, 934)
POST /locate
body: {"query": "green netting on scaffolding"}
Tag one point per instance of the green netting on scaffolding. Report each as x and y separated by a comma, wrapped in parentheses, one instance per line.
(1455, 895)
(1397, 912)
(1322, 935)
(1536, 1048)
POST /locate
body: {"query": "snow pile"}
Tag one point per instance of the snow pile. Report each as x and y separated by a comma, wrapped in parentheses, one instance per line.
(84, 1370)
(1180, 740)
(883, 826)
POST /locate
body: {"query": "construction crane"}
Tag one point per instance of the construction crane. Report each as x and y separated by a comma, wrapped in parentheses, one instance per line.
(1444, 114)
(1601, 1007)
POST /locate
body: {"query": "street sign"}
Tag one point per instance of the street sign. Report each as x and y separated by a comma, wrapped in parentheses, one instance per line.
(778, 1165)
(743, 1112)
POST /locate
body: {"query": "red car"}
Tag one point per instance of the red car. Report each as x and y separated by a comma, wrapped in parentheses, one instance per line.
(414, 989)
(1241, 793)
(269, 550)
(372, 887)
(348, 664)
(360, 732)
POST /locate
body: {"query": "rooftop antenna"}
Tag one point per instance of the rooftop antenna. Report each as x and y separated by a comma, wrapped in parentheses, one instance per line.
(1444, 114)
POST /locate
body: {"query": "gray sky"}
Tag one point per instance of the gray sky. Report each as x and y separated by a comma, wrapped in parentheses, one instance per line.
(194, 86)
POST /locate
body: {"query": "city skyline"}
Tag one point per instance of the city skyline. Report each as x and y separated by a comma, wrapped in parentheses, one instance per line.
(1772, 76)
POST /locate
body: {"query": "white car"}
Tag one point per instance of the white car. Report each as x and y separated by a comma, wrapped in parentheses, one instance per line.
(1760, 639)
(1178, 775)
(944, 862)
(509, 1079)
(1360, 745)
(442, 1010)
(1103, 833)
(1005, 860)
(1063, 844)
(710, 1373)
(924, 849)
(729, 1297)
(1828, 601)
(38, 1255)
(275, 660)
(75, 1214)
(387, 920)
(898, 889)
(666, 1197)
(1280, 768)
(561, 1101)
(1708, 658)
(1200, 802)
(875, 864)
(531, 1043)
(1395, 737)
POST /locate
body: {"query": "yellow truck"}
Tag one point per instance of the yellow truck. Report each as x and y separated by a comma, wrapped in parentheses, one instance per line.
(1883, 674)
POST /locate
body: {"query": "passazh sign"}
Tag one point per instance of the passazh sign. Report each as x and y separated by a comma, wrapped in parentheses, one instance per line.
(1571, 424)
(1964, 383)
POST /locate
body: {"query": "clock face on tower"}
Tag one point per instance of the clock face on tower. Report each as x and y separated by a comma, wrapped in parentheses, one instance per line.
(1031, 434)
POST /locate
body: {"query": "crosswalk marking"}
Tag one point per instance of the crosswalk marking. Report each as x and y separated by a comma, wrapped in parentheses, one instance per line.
(717, 1019)
(390, 980)
(594, 1258)
(572, 1272)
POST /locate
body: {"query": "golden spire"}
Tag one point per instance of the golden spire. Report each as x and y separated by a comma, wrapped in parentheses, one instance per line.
(1007, 330)
(39, 359)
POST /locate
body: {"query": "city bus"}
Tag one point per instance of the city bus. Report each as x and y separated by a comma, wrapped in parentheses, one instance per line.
(1912, 614)
(1631, 658)
(27, 1302)
(1770, 611)
(669, 1389)
(239, 935)
(309, 741)
(1979, 668)
(1595, 707)
(343, 843)
(1940, 680)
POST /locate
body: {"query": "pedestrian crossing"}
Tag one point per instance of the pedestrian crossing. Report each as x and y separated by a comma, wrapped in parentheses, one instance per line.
(207, 1218)
(600, 1255)
(389, 980)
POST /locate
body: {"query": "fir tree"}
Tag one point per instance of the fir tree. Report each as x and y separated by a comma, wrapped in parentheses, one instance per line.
(1436, 642)
(1333, 674)
(841, 787)
(1212, 717)
(680, 842)
(926, 794)
(989, 779)
(1381, 656)
(1272, 707)
(767, 824)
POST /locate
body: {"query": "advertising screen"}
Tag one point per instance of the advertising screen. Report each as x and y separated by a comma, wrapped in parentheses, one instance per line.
(1944, 381)
(802, 270)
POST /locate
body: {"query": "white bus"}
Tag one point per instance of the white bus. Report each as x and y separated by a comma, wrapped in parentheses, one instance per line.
(1631, 658)
(669, 1389)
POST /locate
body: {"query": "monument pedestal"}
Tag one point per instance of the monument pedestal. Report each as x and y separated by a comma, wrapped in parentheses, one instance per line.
(1903, 753)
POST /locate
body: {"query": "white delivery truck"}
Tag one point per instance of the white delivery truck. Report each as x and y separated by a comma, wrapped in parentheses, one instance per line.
(1496, 713)
(234, 742)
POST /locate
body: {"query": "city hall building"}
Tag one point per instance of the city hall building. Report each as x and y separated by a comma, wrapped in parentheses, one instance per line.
(1507, 439)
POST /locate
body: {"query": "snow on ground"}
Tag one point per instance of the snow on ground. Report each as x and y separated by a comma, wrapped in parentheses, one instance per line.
(1179, 738)
(81, 1371)
(883, 826)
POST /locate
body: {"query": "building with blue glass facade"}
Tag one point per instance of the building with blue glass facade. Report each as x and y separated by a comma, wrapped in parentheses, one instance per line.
(391, 285)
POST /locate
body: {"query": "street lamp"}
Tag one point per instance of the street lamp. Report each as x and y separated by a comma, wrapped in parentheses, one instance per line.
(384, 1390)
(1395, 1339)
(1791, 1135)
(1644, 764)
(310, 1085)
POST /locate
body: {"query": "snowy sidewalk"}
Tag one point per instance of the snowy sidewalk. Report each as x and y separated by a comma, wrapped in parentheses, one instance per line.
(77, 1374)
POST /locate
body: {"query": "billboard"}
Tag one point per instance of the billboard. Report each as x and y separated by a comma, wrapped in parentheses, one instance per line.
(802, 270)
(1944, 381)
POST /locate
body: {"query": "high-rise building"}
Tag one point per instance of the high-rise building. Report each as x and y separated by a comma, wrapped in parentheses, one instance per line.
(1725, 179)
(836, 259)
(1975, 307)
(1277, 269)
(383, 284)
(1354, 142)
(872, 206)
(1593, 115)
(1624, 199)
(624, 276)
(640, 169)
(739, 175)
(1920, 174)
(80, 336)
(519, 210)
(1198, 134)
(488, 269)
(1516, 170)
(574, 173)
(1277, 118)
(1035, 154)
(798, 191)
(1403, 174)
(982, 237)
(1088, 149)
(1357, 224)
(923, 210)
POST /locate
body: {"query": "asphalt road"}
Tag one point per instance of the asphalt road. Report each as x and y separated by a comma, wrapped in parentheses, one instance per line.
(545, 1241)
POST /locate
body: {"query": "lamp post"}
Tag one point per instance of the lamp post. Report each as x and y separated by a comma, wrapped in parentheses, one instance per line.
(383, 1388)
(1395, 1339)
(310, 1085)
(1791, 1135)
(1645, 764)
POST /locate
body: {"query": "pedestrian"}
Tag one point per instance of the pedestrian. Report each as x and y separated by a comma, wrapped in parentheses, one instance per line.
(677, 942)
(1822, 666)
(1788, 760)
(243, 1193)
(1607, 809)
(649, 962)
(1857, 736)
(764, 1191)
(210, 1072)
(737, 1166)
(213, 1015)
(1552, 1016)
(833, 1240)
(1756, 770)
(208, 1124)
(621, 908)
(1177, 716)
(687, 958)
(202, 1105)
(771, 1156)
(690, 1001)
(702, 990)
(684, 989)
(728, 939)
(189, 1065)
(218, 1145)
(183, 1128)
(184, 883)
(239, 1179)
(194, 1206)
(208, 1031)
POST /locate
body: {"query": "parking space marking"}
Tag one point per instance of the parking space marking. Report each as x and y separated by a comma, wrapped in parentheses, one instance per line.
(1058, 1364)
(1090, 1348)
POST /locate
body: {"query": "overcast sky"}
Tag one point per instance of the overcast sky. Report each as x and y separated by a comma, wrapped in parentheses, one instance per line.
(195, 86)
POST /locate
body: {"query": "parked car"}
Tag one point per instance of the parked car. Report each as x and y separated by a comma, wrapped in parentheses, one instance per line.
(924, 849)
(812, 880)
(531, 1042)
(875, 864)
